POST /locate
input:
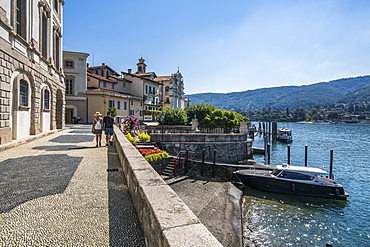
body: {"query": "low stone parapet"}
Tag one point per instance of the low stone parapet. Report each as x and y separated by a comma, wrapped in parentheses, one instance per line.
(165, 218)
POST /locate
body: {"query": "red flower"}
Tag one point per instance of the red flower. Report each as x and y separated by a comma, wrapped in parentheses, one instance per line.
(148, 151)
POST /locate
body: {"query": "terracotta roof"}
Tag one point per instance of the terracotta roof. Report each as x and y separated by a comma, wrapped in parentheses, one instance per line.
(99, 77)
(163, 78)
(103, 66)
(106, 90)
(147, 74)
(141, 77)
(120, 79)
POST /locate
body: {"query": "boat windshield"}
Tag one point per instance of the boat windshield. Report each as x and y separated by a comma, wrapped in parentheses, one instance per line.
(275, 172)
(295, 175)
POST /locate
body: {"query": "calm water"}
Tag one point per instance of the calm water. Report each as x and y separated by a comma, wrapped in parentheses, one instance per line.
(282, 220)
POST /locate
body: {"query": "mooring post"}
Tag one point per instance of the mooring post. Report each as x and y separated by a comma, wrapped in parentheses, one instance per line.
(214, 164)
(202, 165)
(288, 154)
(274, 130)
(305, 155)
(186, 161)
(268, 154)
(265, 144)
(331, 165)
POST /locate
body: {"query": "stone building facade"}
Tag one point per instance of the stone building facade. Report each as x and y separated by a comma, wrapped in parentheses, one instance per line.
(173, 91)
(145, 85)
(75, 70)
(32, 90)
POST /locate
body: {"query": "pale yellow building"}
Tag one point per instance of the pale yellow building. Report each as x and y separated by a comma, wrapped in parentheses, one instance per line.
(106, 88)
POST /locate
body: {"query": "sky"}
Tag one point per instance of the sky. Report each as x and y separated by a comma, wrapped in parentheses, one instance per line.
(225, 45)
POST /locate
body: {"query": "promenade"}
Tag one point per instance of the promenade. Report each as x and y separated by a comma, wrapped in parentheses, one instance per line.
(60, 190)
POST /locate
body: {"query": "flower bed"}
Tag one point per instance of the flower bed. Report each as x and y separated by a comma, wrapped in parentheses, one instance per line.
(153, 154)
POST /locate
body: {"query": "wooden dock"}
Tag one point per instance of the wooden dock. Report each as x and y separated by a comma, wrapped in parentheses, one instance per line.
(257, 150)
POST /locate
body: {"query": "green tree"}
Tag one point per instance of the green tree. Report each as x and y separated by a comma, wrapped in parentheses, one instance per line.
(223, 119)
(315, 117)
(113, 110)
(299, 115)
(200, 111)
(333, 115)
(314, 112)
(175, 116)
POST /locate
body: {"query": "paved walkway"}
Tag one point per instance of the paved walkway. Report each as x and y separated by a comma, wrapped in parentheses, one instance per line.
(60, 190)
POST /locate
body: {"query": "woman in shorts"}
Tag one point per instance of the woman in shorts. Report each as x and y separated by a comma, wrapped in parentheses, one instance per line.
(97, 127)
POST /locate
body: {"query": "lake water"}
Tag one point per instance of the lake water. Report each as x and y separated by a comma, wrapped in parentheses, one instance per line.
(282, 220)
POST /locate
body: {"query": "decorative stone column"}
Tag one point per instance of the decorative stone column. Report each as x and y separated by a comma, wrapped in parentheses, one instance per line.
(194, 125)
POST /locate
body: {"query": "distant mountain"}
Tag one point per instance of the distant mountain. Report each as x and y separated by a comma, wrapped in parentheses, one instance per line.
(359, 95)
(346, 90)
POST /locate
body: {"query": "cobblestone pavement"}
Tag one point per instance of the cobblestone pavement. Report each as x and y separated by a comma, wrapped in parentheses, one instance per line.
(60, 190)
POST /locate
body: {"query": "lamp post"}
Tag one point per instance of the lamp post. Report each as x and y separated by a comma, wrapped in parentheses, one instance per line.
(162, 121)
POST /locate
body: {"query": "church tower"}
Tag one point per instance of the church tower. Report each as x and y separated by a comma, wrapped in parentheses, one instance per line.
(141, 66)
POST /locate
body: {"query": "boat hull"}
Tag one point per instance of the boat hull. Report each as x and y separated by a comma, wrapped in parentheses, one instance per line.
(273, 184)
(286, 139)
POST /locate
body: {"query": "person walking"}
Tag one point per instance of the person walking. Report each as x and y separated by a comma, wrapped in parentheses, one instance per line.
(108, 122)
(97, 127)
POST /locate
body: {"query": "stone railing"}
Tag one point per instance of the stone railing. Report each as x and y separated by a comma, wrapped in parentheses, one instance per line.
(165, 218)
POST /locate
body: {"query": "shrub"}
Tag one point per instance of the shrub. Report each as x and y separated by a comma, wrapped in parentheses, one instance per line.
(130, 125)
(143, 137)
(131, 138)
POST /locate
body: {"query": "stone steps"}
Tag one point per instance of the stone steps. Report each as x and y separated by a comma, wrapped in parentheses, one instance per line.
(168, 171)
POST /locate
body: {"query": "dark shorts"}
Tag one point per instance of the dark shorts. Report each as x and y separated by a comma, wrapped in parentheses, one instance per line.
(109, 131)
(97, 132)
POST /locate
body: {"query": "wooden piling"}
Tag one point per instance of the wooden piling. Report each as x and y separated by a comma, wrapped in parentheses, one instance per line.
(305, 155)
(331, 164)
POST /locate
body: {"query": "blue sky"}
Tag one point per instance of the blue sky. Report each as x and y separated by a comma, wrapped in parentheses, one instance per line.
(225, 45)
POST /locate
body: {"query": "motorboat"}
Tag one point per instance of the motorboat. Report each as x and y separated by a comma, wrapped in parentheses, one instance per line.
(295, 180)
(284, 135)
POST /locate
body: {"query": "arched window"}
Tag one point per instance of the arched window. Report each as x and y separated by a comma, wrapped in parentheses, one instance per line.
(23, 93)
(46, 99)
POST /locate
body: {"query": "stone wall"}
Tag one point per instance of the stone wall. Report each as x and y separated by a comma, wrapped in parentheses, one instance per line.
(230, 148)
(165, 218)
(10, 63)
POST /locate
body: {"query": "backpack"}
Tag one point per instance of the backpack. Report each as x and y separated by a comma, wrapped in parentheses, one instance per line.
(97, 125)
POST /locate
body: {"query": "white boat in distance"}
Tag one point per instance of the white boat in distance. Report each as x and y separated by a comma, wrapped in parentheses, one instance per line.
(284, 135)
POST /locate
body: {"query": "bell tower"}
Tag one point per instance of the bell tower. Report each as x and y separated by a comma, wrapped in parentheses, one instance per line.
(141, 66)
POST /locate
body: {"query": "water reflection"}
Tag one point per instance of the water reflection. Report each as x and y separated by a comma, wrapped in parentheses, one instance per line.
(295, 200)
(272, 219)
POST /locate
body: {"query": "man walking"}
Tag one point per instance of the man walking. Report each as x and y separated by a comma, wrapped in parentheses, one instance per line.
(108, 122)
